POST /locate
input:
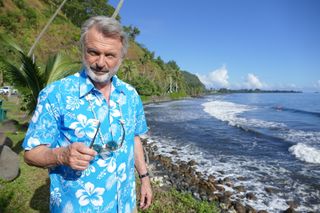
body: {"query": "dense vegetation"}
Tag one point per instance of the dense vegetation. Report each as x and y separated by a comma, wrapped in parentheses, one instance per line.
(24, 19)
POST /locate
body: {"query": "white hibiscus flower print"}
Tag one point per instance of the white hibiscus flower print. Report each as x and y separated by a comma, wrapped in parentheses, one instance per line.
(133, 191)
(111, 165)
(89, 170)
(111, 181)
(84, 126)
(37, 113)
(55, 197)
(33, 142)
(112, 104)
(73, 103)
(122, 99)
(127, 208)
(102, 113)
(122, 172)
(130, 88)
(102, 163)
(68, 208)
(90, 195)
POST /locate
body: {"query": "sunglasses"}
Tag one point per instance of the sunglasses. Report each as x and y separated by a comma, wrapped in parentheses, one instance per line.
(110, 146)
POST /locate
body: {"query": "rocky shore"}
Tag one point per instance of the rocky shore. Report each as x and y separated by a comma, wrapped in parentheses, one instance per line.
(184, 177)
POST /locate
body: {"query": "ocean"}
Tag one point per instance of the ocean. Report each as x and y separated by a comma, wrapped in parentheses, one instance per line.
(258, 140)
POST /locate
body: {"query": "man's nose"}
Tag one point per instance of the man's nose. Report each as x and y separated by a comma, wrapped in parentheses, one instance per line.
(101, 61)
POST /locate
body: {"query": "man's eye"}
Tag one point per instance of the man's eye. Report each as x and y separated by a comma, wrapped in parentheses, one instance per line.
(110, 56)
(93, 53)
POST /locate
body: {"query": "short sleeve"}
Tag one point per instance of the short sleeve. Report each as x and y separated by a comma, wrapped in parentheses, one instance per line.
(140, 120)
(43, 128)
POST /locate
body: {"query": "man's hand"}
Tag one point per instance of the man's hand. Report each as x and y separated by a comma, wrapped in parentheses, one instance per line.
(76, 155)
(146, 193)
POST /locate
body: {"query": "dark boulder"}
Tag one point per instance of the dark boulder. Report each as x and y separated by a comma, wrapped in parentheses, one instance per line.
(251, 196)
(4, 140)
(249, 209)
(9, 164)
(239, 188)
(239, 207)
(289, 210)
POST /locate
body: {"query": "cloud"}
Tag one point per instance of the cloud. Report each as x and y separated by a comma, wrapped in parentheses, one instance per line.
(215, 79)
(253, 82)
(317, 84)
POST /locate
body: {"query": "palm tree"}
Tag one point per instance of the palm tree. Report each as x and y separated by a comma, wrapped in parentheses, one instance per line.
(143, 60)
(129, 68)
(45, 29)
(28, 78)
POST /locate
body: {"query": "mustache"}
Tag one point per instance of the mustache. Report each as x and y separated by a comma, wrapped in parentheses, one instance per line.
(95, 68)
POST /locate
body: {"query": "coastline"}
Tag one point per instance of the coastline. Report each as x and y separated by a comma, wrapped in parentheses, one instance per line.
(162, 99)
(184, 177)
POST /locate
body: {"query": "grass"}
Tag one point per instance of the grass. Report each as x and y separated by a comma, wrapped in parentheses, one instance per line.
(12, 106)
(172, 201)
(29, 192)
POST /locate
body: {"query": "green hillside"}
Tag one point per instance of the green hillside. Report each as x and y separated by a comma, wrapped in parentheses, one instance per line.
(24, 19)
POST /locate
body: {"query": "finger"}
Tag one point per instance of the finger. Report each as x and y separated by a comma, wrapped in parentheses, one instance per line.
(79, 165)
(83, 149)
(84, 157)
(147, 202)
(79, 168)
(142, 200)
(149, 199)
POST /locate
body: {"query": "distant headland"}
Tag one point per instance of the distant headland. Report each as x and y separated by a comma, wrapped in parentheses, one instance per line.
(225, 90)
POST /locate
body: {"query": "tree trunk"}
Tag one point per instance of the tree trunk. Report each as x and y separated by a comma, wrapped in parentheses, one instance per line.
(116, 12)
(45, 28)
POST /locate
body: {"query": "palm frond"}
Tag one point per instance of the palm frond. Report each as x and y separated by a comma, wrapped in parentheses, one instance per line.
(34, 79)
(14, 74)
(6, 40)
(59, 66)
(23, 79)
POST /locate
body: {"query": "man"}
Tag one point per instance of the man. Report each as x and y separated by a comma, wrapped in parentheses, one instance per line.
(86, 130)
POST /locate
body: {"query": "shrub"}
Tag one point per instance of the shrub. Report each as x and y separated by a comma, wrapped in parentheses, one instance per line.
(31, 16)
(20, 4)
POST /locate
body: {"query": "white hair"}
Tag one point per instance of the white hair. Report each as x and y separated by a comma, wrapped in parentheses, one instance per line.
(109, 27)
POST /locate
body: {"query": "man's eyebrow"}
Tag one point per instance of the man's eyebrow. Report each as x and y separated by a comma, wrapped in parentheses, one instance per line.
(92, 49)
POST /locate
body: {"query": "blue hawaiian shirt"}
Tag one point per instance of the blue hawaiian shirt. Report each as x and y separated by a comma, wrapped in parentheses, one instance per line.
(68, 111)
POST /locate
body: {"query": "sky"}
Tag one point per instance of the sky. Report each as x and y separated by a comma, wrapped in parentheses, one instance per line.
(265, 44)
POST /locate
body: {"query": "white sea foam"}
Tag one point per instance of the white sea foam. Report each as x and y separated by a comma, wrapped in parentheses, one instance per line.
(307, 147)
(305, 153)
(255, 172)
(230, 112)
(299, 136)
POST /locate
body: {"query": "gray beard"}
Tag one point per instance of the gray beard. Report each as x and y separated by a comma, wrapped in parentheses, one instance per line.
(106, 77)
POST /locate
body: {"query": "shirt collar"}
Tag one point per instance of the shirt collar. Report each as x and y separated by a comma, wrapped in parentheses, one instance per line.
(86, 86)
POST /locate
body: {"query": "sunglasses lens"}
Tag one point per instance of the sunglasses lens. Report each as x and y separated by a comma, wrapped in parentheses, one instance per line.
(112, 145)
(97, 148)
